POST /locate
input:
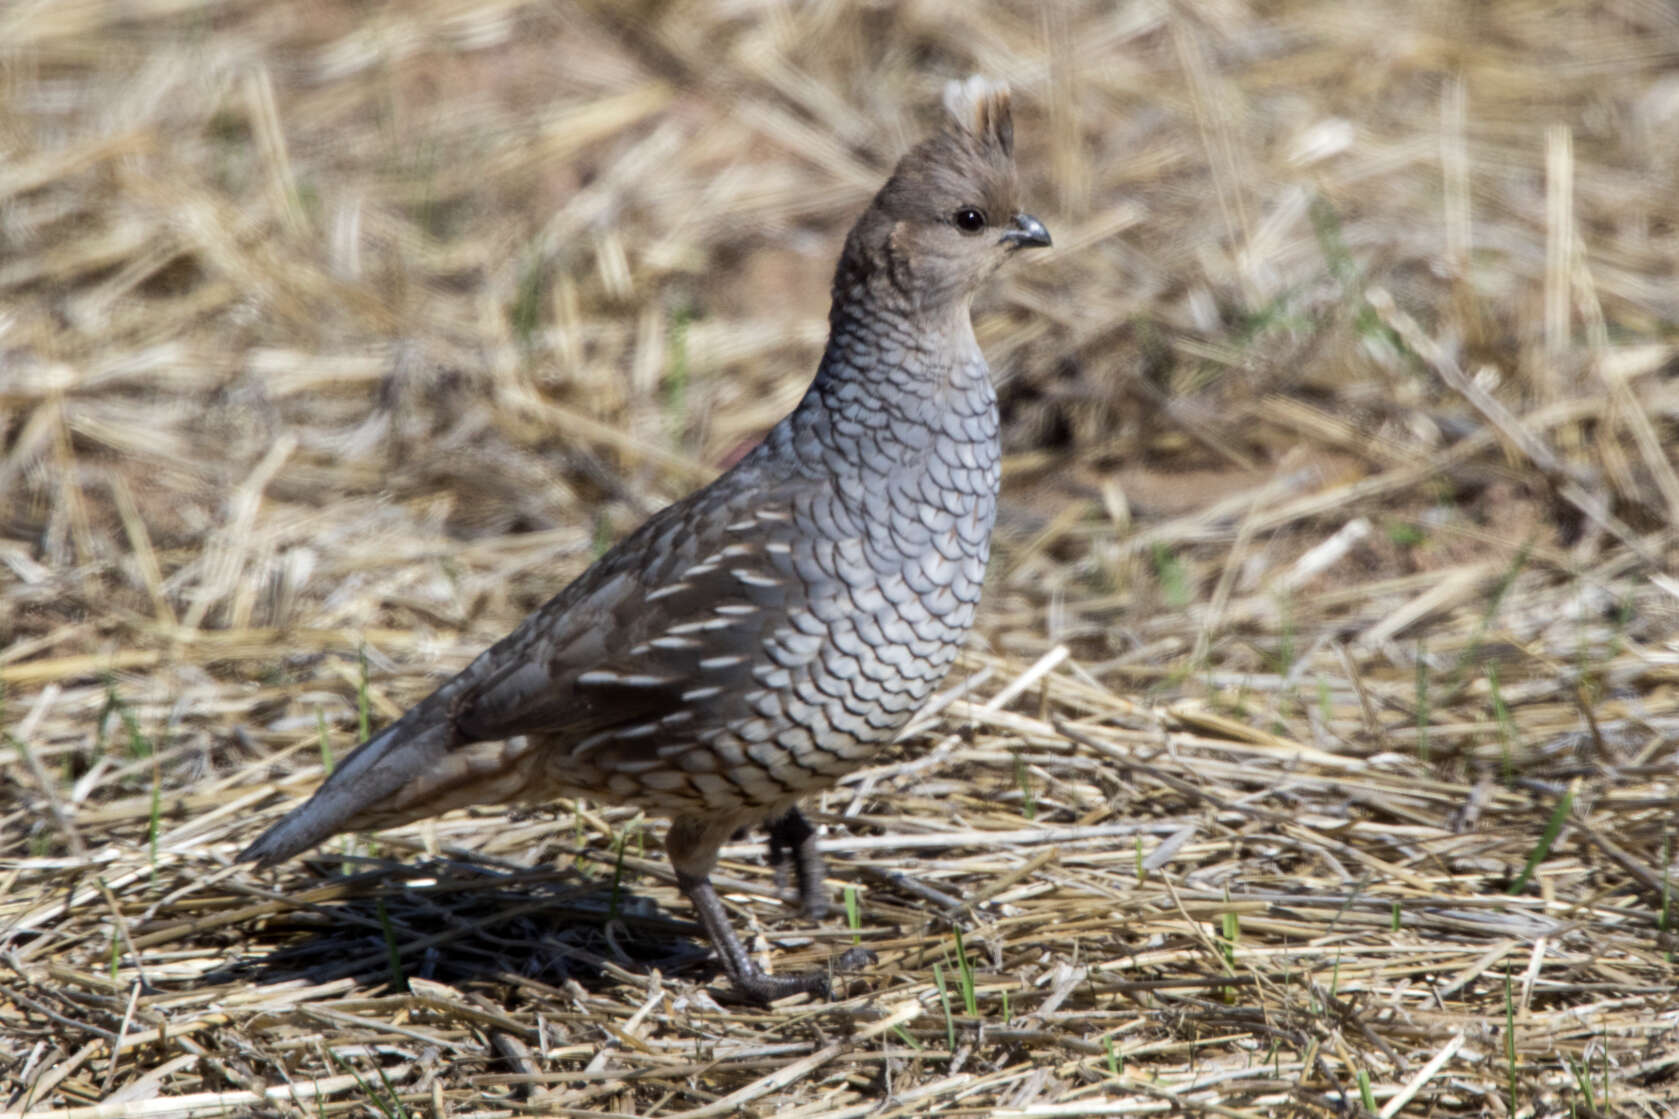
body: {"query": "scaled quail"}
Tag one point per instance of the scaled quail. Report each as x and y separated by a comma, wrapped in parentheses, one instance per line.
(766, 635)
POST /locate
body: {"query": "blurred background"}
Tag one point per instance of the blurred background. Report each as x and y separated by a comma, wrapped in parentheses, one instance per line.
(1340, 418)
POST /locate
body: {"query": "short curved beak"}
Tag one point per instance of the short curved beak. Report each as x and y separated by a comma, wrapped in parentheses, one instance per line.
(1028, 233)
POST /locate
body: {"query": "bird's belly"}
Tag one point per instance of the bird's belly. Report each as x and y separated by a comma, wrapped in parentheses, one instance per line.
(838, 680)
(824, 707)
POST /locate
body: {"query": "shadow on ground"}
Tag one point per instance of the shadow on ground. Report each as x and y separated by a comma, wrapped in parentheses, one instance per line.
(457, 922)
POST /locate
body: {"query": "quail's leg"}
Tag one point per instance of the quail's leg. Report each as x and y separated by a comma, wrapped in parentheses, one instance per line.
(791, 836)
(746, 975)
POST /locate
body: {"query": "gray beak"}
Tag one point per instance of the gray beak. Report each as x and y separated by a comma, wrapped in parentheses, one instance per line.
(1028, 233)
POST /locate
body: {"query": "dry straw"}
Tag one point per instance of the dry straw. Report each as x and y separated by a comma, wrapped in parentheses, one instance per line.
(1317, 751)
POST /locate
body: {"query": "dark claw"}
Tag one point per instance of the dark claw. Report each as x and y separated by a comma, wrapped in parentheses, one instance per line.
(768, 988)
(855, 958)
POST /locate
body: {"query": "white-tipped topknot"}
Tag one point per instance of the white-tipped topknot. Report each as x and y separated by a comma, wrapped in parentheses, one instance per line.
(980, 106)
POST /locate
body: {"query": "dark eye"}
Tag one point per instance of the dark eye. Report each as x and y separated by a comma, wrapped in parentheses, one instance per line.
(969, 220)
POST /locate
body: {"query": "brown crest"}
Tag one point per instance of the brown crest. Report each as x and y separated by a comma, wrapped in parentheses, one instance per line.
(980, 107)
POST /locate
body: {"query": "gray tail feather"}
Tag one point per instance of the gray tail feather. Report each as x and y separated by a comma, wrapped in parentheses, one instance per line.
(373, 771)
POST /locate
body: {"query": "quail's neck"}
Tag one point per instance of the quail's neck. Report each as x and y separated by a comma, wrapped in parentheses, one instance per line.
(914, 352)
(893, 386)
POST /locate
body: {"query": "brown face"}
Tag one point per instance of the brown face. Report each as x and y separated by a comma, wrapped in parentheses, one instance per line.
(949, 216)
(955, 213)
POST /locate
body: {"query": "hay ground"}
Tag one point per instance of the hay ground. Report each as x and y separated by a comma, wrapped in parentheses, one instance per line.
(1315, 755)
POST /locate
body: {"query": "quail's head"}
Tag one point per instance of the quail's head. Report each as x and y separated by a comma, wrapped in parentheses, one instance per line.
(950, 214)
